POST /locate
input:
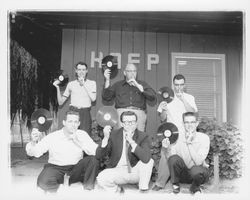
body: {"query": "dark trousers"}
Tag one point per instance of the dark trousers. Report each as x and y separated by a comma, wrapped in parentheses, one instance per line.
(85, 118)
(179, 173)
(84, 171)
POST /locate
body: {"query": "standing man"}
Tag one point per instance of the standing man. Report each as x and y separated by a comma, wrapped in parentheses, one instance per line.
(130, 156)
(82, 92)
(182, 102)
(66, 148)
(187, 161)
(172, 112)
(129, 94)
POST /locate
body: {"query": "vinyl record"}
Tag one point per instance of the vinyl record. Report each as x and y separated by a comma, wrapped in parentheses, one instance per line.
(165, 94)
(168, 130)
(41, 119)
(107, 115)
(61, 76)
(64, 79)
(110, 62)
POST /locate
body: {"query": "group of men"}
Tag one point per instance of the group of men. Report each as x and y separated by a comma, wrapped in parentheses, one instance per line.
(72, 151)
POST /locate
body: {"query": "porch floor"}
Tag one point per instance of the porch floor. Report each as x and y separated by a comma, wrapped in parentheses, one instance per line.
(24, 173)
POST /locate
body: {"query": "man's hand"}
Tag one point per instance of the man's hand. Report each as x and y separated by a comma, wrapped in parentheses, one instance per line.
(163, 105)
(134, 83)
(36, 136)
(56, 83)
(129, 138)
(81, 81)
(180, 95)
(107, 74)
(106, 131)
(165, 143)
(189, 137)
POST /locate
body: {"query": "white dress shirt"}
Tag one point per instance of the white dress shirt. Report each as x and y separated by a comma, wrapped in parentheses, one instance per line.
(176, 108)
(123, 161)
(62, 149)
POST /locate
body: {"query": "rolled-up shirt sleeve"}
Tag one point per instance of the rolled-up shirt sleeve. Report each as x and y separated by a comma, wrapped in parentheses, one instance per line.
(148, 92)
(67, 91)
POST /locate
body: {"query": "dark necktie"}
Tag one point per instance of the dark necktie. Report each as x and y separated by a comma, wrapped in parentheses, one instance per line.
(127, 158)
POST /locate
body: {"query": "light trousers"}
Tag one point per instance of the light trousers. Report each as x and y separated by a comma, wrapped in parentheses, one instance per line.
(110, 179)
(141, 118)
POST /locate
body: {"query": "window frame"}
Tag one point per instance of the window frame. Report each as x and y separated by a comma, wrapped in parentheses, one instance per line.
(221, 57)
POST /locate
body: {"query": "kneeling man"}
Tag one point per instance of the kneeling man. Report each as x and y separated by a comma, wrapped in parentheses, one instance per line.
(187, 161)
(130, 156)
(66, 148)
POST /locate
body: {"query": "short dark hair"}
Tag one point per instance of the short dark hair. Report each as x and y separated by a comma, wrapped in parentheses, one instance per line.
(190, 114)
(71, 112)
(81, 63)
(127, 113)
(179, 77)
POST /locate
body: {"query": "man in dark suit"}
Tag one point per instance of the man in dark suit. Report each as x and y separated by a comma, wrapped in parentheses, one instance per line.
(129, 153)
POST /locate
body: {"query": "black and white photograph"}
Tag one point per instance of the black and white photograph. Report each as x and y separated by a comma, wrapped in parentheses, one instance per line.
(125, 100)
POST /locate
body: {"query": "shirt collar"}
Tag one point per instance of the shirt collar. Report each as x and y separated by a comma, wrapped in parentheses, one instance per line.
(67, 136)
(124, 82)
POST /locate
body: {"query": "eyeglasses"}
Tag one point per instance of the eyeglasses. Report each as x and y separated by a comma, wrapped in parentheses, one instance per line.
(129, 122)
(81, 70)
(179, 84)
(192, 122)
(130, 71)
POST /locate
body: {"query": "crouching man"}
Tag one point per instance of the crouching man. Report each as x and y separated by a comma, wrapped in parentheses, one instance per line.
(66, 148)
(130, 156)
(187, 157)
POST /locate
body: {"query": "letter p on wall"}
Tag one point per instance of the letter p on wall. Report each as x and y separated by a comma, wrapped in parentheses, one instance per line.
(153, 59)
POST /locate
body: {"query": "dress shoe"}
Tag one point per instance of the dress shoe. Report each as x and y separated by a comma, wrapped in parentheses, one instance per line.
(120, 190)
(176, 189)
(157, 188)
(144, 191)
(195, 189)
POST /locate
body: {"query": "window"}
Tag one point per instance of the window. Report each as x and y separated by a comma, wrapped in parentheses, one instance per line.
(205, 80)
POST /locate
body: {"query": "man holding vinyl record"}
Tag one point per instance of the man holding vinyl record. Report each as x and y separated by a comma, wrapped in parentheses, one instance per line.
(172, 112)
(187, 157)
(130, 157)
(181, 103)
(82, 92)
(129, 94)
(66, 148)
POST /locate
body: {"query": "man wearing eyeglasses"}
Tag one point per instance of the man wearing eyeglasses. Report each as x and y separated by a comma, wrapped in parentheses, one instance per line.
(129, 94)
(172, 112)
(187, 161)
(130, 157)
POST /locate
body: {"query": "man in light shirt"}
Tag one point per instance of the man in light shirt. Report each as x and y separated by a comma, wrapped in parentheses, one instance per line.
(187, 157)
(172, 112)
(182, 102)
(130, 156)
(66, 148)
(82, 92)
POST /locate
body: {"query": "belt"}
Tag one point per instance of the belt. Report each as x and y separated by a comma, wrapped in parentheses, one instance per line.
(76, 108)
(134, 108)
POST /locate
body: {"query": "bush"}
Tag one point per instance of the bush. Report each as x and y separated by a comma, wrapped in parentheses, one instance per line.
(226, 141)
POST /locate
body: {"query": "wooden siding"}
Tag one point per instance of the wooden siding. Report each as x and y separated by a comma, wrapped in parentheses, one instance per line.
(77, 45)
